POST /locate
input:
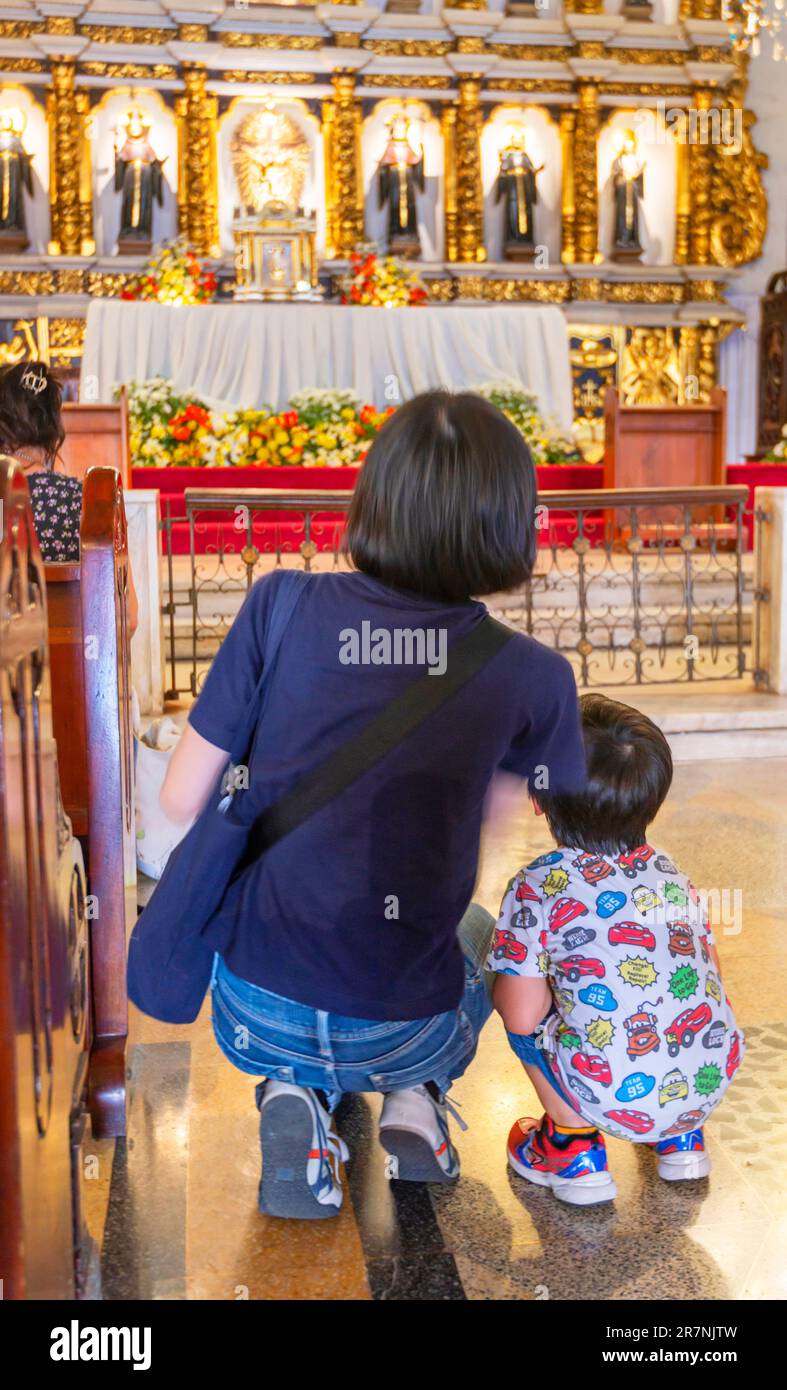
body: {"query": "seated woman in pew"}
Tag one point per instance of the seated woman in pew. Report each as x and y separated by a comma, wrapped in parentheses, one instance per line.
(32, 431)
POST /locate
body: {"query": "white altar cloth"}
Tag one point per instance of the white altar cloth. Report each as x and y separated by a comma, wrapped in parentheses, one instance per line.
(249, 355)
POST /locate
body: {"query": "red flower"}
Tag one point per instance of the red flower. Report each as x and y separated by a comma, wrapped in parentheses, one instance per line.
(289, 419)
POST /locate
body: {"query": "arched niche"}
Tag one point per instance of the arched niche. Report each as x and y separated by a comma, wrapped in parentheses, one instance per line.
(35, 138)
(662, 12)
(292, 109)
(542, 138)
(104, 130)
(429, 204)
(656, 146)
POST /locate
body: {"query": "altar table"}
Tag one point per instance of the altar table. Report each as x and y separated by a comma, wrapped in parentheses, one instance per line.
(249, 355)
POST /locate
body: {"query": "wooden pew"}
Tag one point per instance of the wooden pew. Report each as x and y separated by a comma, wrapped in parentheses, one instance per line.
(97, 432)
(44, 949)
(89, 646)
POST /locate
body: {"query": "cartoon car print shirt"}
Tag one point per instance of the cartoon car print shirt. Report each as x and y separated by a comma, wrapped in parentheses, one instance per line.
(641, 1038)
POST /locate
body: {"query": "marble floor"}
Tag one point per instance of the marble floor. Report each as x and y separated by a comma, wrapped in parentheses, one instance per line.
(173, 1209)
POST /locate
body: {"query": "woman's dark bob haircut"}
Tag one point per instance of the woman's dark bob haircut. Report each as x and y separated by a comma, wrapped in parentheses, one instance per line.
(30, 409)
(629, 772)
(445, 502)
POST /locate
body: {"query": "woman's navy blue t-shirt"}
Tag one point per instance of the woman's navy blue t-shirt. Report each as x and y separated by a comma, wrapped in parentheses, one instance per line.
(356, 911)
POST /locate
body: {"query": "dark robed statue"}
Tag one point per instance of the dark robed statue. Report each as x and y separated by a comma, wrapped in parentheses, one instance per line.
(628, 188)
(400, 174)
(138, 173)
(516, 184)
(16, 177)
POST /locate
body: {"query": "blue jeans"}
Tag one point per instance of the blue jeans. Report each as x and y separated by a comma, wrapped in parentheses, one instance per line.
(266, 1035)
(526, 1046)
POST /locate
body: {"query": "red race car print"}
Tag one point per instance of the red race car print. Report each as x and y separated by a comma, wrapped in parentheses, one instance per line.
(564, 910)
(525, 893)
(634, 860)
(631, 934)
(593, 868)
(635, 1120)
(507, 947)
(684, 1029)
(594, 1068)
(574, 967)
(733, 1056)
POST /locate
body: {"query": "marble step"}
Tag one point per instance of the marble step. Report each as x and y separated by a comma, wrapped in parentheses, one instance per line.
(731, 721)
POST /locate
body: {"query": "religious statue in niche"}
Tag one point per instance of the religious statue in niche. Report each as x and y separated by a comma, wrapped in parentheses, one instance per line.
(270, 158)
(650, 373)
(16, 178)
(516, 184)
(400, 176)
(628, 189)
(139, 176)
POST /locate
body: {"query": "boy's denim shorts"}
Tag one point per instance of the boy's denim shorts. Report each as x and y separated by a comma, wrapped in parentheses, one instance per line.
(525, 1046)
(267, 1035)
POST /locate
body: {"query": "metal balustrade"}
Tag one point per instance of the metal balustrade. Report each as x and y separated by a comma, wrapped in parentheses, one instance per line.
(634, 587)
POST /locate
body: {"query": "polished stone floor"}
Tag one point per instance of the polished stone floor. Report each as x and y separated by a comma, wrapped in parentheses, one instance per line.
(173, 1207)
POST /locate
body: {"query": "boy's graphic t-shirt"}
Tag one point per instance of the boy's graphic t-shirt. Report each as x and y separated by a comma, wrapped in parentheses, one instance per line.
(642, 1038)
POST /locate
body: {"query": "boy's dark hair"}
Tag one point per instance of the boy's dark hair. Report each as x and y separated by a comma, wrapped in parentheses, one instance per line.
(30, 409)
(629, 772)
(445, 502)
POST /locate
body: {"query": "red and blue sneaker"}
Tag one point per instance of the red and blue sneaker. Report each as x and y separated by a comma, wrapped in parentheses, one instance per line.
(573, 1162)
(682, 1157)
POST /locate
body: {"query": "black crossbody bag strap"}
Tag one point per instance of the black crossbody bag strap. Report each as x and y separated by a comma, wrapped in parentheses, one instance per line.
(382, 734)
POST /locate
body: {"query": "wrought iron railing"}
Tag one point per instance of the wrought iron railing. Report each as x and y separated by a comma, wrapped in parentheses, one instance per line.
(635, 587)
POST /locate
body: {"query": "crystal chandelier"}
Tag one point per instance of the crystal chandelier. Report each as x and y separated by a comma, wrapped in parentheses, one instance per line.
(752, 20)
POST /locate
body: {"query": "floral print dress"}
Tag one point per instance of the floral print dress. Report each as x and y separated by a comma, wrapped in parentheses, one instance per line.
(57, 512)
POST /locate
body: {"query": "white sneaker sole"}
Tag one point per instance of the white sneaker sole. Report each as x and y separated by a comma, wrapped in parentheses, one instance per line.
(416, 1160)
(286, 1129)
(684, 1167)
(588, 1191)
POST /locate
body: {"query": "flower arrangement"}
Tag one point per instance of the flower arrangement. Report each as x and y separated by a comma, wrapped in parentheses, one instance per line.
(319, 429)
(173, 275)
(778, 453)
(546, 442)
(166, 425)
(381, 281)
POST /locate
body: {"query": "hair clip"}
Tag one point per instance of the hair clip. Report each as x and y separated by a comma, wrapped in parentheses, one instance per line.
(33, 381)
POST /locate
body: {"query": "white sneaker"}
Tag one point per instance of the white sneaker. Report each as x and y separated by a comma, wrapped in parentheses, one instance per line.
(683, 1157)
(414, 1130)
(301, 1154)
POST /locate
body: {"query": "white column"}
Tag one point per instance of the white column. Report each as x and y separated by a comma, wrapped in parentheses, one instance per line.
(770, 654)
(147, 650)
